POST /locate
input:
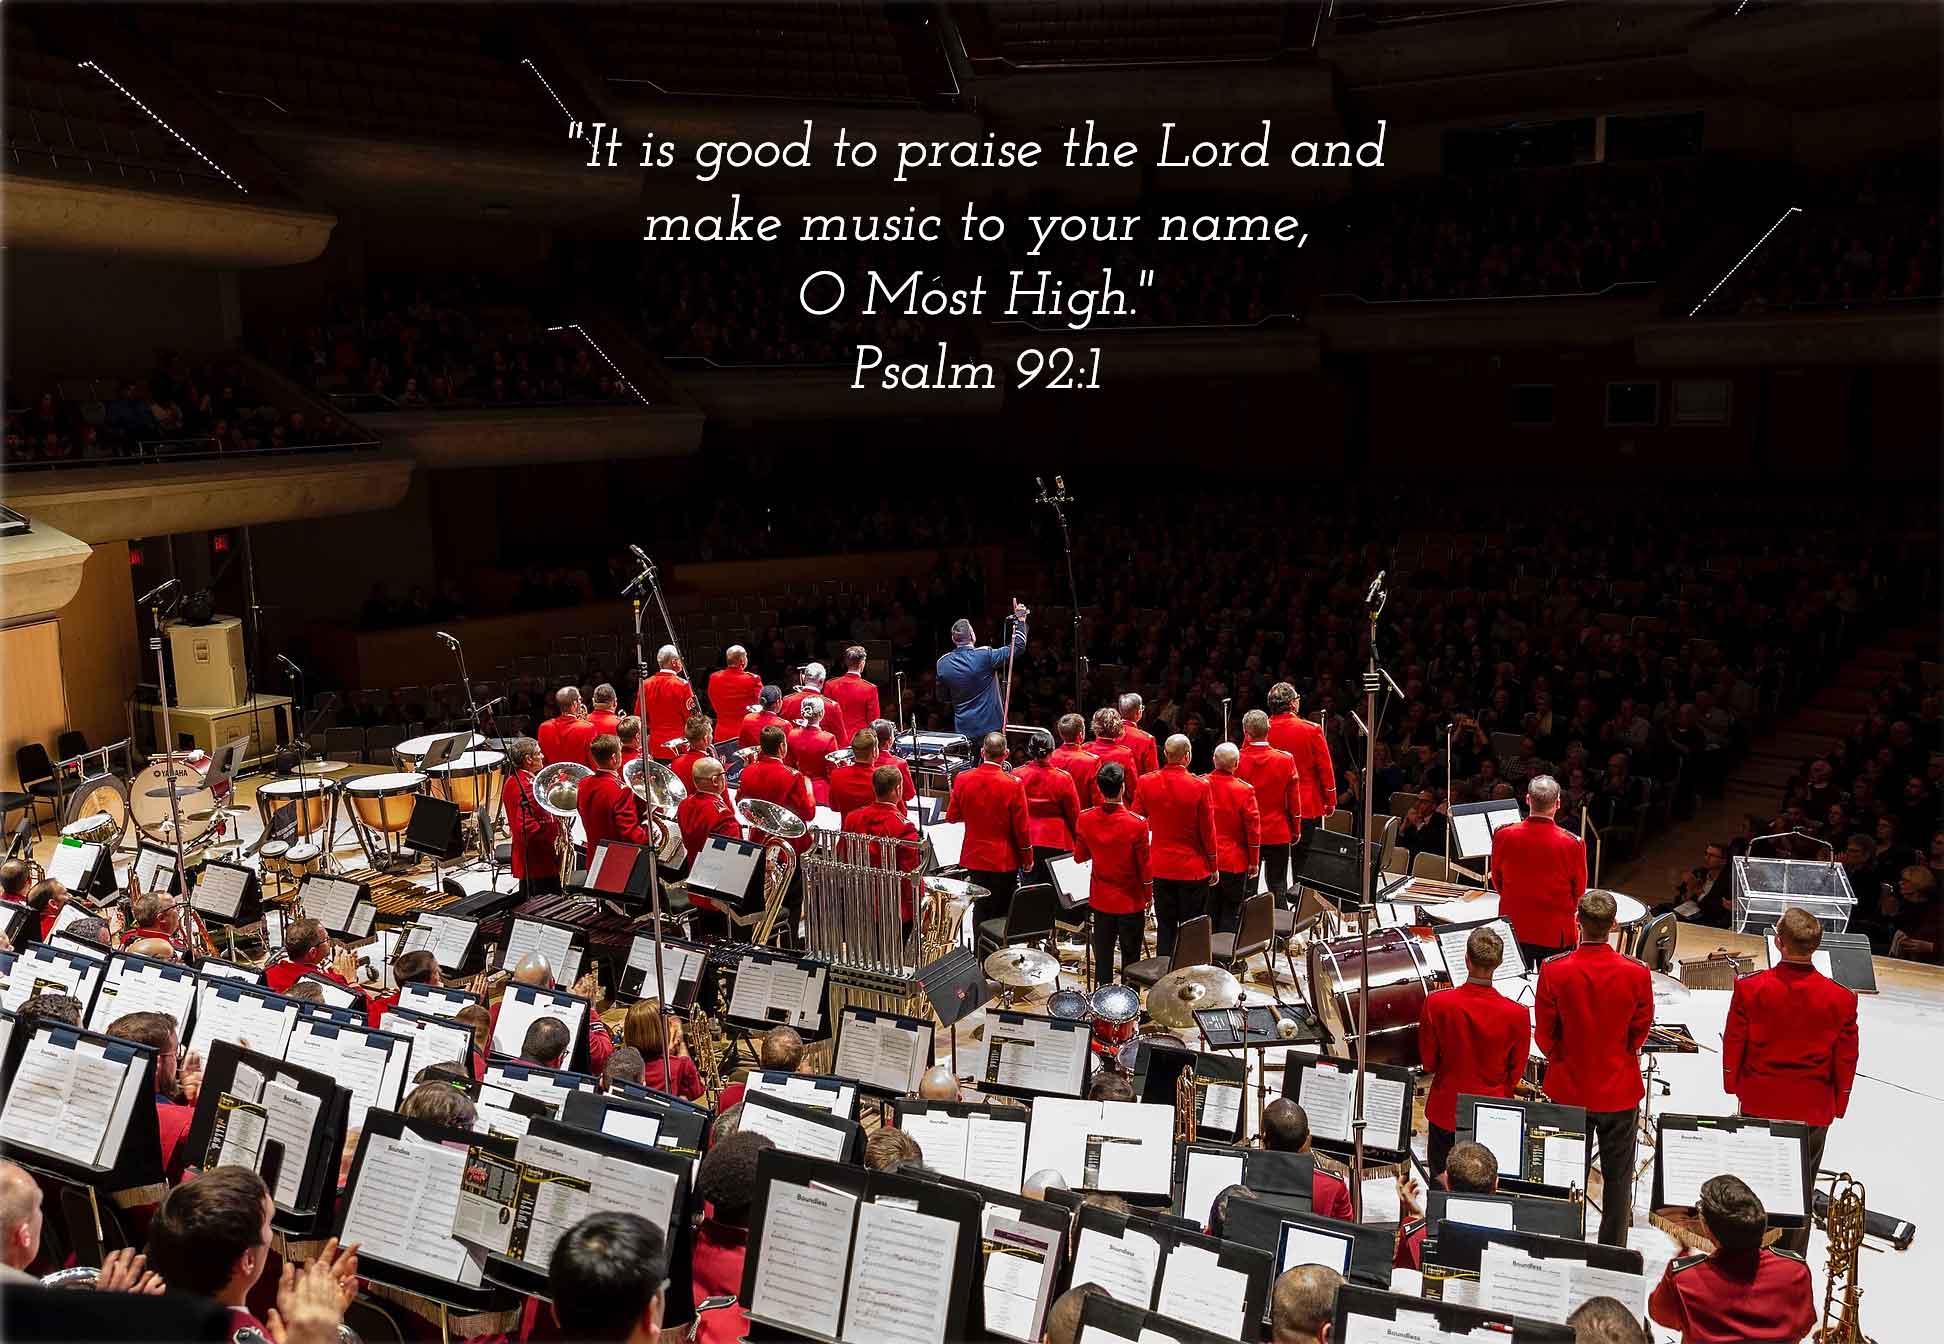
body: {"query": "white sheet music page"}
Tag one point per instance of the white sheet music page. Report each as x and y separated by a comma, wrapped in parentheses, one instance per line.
(1327, 1095)
(554, 943)
(995, 1153)
(219, 891)
(96, 1100)
(1502, 1129)
(1124, 1266)
(802, 1252)
(1689, 1157)
(39, 962)
(523, 1006)
(901, 1276)
(1019, 1268)
(794, 1133)
(941, 1138)
(1197, 1289)
(1772, 1166)
(1208, 1175)
(432, 1042)
(345, 1055)
(632, 1126)
(1385, 1106)
(1563, 1162)
(328, 900)
(63, 1098)
(265, 1023)
(1510, 1280)
(1221, 1107)
(427, 999)
(291, 1120)
(142, 987)
(395, 1210)
(749, 999)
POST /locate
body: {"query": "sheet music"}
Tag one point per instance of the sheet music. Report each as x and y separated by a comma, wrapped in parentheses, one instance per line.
(781, 992)
(535, 1083)
(1208, 1175)
(432, 1042)
(1093, 1334)
(1196, 1289)
(1451, 946)
(749, 999)
(1386, 1103)
(1410, 1327)
(219, 891)
(246, 1082)
(1301, 1245)
(1584, 1281)
(71, 863)
(65, 1100)
(1020, 1266)
(1479, 1212)
(437, 1002)
(995, 1153)
(551, 941)
(523, 1005)
(881, 1052)
(290, 1119)
(1564, 1160)
(680, 965)
(346, 1055)
(632, 1126)
(496, 1120)
(74, 972)
(1103, 1145)
(1221, 1107)
(1510, 1280)
(1072, 878)
(840, 1101)
(794, 1133)
(1380, 1202)
(328, 900)
(402, 1209)
(225, 970)
(802, 1253)
(451, 939)
(1770, 1163)
(264, 1022)
(941, 1138)
(1502, 1129)
(725, 868)
(155, 869)
(901, 1276)
(243, 1126)
(142, 987)
(1124, 1266)
(1327, 1096)
(1035, 1055)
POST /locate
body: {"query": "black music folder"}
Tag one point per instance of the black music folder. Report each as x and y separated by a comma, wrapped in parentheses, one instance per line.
(1215, 1285)
(886, 1054)
(1767, 1154)
(1356, 1304)
(774, 989)
(1357, 1251)
(802, 1129)
(983, 1145)
(1034, 1055)
(641, 1115)
(820, 1092)
(81, 1106)
(258, 1111)
(523, 1005)
(1125, 1324)
(1522, 1213)
(1325, 1087)
(1542, 1148)
(1538, 1276)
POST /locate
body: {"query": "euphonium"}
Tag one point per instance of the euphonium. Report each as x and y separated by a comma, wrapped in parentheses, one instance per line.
(1843, 1324)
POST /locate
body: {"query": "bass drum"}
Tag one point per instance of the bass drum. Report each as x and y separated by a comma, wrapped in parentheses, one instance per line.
(1403, 970)
(148, 802)
(97, 810)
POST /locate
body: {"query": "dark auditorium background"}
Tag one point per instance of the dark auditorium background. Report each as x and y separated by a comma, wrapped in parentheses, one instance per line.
(1623, 366)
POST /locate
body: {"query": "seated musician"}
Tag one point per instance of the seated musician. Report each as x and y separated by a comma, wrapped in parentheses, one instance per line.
(608, 808)
(1742, 1291)
(437, 1102)
(145, 910)
(696, 736)
(1286, 1129)
(850, 785)
(706, 812)
(155, 949)
(886, 817)
(939, 1083)
(780, 1050)
(306, 945)
(1063, 1317)
(628, 733)
(773, 780)
(417, 967)
(535, 831)
(608, 1279)
(15, 877)
(605, 717)
(810, 748)
(889, 1149)
(534, 969)
(477, 1019)
(545, 1044)
(1110, 1085)
(21, 1219)
(1470, 1169)
(725, 1183)
(1302, 1305)
(665, 1057)
(45, 898)
(50, 1005)
(887, 733)
(178, 1081)
(751, 732)
(625, 1065)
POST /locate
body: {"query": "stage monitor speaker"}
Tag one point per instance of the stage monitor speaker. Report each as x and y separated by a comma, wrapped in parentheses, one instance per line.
(208, 663)
(1332, 863)
(434, 828)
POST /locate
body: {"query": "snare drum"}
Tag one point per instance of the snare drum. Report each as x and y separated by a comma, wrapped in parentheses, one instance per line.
(470, 780)
(384, 802)
(1402, 968)
(303, 860)
(1069, 1005)
(274, 857)
(310, 796)
(1116, 1008)
(94, 829)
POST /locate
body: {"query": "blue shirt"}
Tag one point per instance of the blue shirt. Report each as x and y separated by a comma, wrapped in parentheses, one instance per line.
(970, 677)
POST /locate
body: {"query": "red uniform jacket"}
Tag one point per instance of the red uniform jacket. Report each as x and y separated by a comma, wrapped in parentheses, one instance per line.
(1146, 758)
(889, 819)
(1112, 750)
(1052, 805)
(377, 1007)
(716, 1270)
(1278, 789)
(549, 735)
(1082, 765)
(1591, 1016)
(751, 732)
(1540, 873)
(679, 1079)
(1475, 1040)
(609, 810)
(1789, 1047)
(1238, 824)
(886, 757)
(535, 831)
(774, 781)
(1410, 1243)
(850, 789)
(172, 1119)
(605, 721)
(856, 697)
(731, 692)
(835, 721)
(1307, 742)
(1115, 841)
(280, 976)
(700, 816)
(684, 766)
(1736, 1296)
(992, 804)
(577, 740)
(809, 751)
(1183, 821)
(1330, 1196)
(600, 1044)
(663, 704)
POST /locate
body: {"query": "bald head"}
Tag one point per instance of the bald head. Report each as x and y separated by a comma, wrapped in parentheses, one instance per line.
(160, 949)
(534, 969)
(1227, 757)
(707, 775)
(20, 1217)
(938, 1084)
(1176, 749)
(1302, 1303)
(1040, 1182)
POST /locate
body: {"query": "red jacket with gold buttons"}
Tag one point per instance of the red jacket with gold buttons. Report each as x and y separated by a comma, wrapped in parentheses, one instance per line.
(774, 781)
(1732, 1297)
(732, 691)
(1788, 1050)
(992, 804)
(609, 810)
(1591, 1016)
(1279, 795)
(1052, 805)
(663, 704)
(1472, 1039)
(1540, 873)
(1081, 765)
(1183, 822)
(1115, 841)
(1307, 742)
(1238, 823)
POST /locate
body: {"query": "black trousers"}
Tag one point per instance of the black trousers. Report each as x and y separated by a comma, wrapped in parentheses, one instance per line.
(1797, 1239)
(1175, 899)
(1437, 1150)
(1275, 864)
(1616, 1133)
(1111, 931)
(1225, 902)
(1041, 853)
(1534, 954)
(1001, 885)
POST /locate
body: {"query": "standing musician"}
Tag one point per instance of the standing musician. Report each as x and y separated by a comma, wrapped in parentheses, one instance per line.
(1289, 731)
(1107, 746)
(629, 734)
(535, 831)
(1183, 821)
(1238, 837)
(856, 697)
(706, 812)
(1540, 872)
(887, 733)
(1075, 759)
(665, 702)
(772, 779)
(751, 732)
(1115, 840)
(810, 748)
(851, 787)
(733, 688)
(1052, 802)
(1279, 796)
(1591, 1016)
(886, 816)
(306, 945)
(998, 839)
(608, 808)
(697, 739)
(798, 700)
(1146, 756)
(968, 676)
(1472, 1039)
(605, 716)
(1788, 1051)
(552, 733)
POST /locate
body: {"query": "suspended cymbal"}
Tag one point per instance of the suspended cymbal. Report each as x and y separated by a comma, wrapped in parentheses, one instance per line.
(1177, 995)
(1022, 968)
(179, 790)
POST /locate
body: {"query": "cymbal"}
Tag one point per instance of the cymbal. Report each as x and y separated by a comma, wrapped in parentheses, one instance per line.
(1177, 995)
(1022, 968)
(323, 767)
(179, 790)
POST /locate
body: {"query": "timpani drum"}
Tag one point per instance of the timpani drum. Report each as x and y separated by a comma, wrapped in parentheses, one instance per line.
(470, 779)
(1403, 968)
(384, 803)
(1116, 1009)
(412, 750)
(1630, 917)
(302, 860)
(310, 796)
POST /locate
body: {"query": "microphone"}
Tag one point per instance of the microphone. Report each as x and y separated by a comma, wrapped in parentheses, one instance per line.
(639, 554)
(1376, 587)
(1039, 483)
(155, 595)
(449, 641)
(1059, 483)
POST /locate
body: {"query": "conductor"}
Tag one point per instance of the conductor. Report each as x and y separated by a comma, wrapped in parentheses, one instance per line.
(969, 677)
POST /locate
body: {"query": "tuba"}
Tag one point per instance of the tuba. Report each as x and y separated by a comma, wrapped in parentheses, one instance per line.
(661, 792)
(779, 826)
(557, 789)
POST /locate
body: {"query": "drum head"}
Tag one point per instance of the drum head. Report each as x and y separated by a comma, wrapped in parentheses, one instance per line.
(303, 853)
(1069, 1005)
(292, 786)
(1116, 1003)
(383, 786)
(274, 849)
(99, 795)
(149, 805)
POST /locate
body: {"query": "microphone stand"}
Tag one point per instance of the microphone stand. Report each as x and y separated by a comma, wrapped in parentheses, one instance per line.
(1055, 500)
(158, 610)
(649, 576)
(482, 827)
(1373, 682)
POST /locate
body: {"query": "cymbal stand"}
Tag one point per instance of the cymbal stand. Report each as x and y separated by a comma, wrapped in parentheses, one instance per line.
(1055, 499)
(159, 602)
(475, 716)
(1373, 682)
